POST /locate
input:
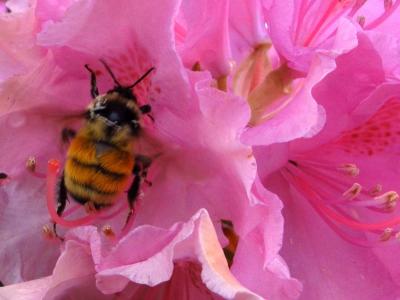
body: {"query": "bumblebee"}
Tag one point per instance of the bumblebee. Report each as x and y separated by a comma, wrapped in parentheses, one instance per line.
(101, 156)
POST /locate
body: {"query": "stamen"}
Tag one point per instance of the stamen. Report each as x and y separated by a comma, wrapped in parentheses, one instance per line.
(222, 83)
(31, 164)
(48, 232)
(361, 21)
(53, 168)
(388, 4)
(389, 199)
(119, 210)
(196, 67)
(349, 169)
(353, 192)
(108, 232)
(52, 173)
(386, 234)
(375, 191)
(389, 9)
(318, 203)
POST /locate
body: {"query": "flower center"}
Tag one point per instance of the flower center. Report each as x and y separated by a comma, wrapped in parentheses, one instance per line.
(233, 240)
(343, 203)
(267, 91)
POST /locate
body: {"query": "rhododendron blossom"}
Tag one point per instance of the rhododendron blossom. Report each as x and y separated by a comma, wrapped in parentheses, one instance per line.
(256, 106)
(339, 187)
(199, 164)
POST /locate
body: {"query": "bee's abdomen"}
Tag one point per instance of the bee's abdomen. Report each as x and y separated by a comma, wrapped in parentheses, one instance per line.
(93, 176)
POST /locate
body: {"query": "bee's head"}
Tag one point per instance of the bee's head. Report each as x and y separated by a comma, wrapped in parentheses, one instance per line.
(116, 112)
(124, 91)
(118, 108)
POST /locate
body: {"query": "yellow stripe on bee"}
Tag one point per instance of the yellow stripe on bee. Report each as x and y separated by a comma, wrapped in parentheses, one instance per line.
(90, 176)
(98, 177)
(83, 193)
(111, 159)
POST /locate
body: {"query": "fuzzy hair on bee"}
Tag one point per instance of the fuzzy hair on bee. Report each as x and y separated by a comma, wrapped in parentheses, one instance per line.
(102, 154)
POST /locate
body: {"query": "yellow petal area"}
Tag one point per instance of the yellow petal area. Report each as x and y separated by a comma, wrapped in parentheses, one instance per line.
(252, 71)
(270, 96)
(215, 271)
(266, 90)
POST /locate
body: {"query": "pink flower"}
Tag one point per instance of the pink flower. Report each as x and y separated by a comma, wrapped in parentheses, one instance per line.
(340, 186)
(88, 259)
(202, 165)
(300, 28)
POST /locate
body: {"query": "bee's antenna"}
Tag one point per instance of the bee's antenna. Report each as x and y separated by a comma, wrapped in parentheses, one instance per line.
(110, 72)
(141, 78)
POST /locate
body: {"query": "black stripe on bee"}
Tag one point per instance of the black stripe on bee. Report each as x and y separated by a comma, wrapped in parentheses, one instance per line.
(84, 200)
(97, 168)
(79, 199)
(90, 188)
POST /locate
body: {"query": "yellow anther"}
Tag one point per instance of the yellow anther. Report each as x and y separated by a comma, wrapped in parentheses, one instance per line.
(388, 4)
(386, 234)
(349, 169)
(31, 163)
(375, 191)
(389, 199)
(108, 232)
(361, 20)
(353, 191)
(48, 232)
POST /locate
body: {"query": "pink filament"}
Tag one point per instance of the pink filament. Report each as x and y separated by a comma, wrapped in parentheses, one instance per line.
(113, 214)
(300, 18)
(330, 9)
(53, 168)
(383, 17)
(315, 199)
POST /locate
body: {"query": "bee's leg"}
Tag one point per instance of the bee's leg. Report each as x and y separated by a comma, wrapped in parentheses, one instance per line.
(67, 134)
(61, 202)
(133, 192)
(146, 109)
(94, 91)
(142, 163)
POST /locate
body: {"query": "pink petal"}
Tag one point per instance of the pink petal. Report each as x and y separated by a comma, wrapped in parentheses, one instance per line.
(18, 52)
(292, 23)
(364, 90)
(205, 35)
(261, 268)
(30, 290)
(315, 255)
(247, 26)
(300, 116)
